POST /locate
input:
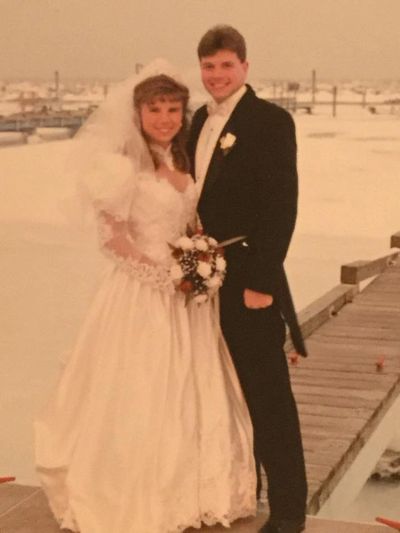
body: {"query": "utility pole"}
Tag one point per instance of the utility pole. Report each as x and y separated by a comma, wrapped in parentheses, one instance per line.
(313, 86)
(364, 98)
(57, 88)
(334, 100)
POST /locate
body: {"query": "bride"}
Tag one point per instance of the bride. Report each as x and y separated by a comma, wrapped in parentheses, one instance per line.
(147, 430)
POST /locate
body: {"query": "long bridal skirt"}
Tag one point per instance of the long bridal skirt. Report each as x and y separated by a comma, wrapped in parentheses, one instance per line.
(147, 430)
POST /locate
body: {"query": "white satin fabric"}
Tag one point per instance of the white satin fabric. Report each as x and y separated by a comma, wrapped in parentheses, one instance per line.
(147, 430)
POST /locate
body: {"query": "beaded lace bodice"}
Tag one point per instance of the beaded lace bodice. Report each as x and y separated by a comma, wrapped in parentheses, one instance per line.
(159, 215)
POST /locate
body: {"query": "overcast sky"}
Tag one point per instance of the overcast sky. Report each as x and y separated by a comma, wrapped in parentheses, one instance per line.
(286, 38)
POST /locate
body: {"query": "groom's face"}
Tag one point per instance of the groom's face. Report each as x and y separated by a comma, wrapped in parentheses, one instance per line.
(223, 74)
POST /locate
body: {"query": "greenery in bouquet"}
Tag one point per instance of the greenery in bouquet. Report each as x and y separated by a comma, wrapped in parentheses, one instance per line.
(199, 266)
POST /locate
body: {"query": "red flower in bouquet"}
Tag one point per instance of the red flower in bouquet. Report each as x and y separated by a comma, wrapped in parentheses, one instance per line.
(186, 286)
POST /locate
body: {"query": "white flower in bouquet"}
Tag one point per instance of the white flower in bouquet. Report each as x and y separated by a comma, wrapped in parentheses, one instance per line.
(220, 264)
(212, 242)
(200, 298)
(176, 272)
(185, 243)
(201, 244)
(214, 283)
(204, 269)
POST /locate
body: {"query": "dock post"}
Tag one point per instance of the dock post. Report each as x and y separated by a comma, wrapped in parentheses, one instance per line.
(364, 98)
(313, 86)
(334, 100)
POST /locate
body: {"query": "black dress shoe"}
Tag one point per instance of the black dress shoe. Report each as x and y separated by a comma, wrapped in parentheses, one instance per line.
(283, 526)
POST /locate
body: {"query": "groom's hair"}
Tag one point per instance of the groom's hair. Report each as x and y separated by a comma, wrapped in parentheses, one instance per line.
(222, 37)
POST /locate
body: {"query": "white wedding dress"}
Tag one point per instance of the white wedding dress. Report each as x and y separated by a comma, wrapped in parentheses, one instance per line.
(147, 430)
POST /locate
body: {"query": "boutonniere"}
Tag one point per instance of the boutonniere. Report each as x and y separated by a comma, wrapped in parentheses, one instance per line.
(227, 142)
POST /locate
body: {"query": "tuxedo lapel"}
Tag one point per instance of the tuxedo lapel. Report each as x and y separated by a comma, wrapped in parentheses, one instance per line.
(214, 168)
(232, 126)
(196, 128)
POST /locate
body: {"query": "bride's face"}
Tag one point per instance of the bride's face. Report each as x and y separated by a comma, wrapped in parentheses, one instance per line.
(161, 120)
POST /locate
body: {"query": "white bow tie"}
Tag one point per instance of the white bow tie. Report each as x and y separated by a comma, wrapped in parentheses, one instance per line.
(214, 108)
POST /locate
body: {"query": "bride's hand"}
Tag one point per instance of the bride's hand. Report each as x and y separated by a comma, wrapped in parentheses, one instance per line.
(256, 300)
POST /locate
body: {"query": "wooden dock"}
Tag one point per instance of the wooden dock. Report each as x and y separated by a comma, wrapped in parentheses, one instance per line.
(343, 389)
(352, 375)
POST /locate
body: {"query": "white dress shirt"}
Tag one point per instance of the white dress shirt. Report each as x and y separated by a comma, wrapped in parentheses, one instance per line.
(209, 135)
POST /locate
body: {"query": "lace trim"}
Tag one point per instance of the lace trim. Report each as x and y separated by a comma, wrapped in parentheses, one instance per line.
(243, 507)
(156, 275)
(212, 519)
(209, 519)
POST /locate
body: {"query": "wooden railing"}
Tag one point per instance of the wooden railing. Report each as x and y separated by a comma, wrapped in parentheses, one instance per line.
(354, 273)
(315, 314)
(395, 240)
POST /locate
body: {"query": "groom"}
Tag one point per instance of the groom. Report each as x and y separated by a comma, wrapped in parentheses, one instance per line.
(243, 152)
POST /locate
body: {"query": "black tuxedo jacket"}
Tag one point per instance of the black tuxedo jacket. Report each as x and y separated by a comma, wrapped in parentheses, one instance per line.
(251, 189)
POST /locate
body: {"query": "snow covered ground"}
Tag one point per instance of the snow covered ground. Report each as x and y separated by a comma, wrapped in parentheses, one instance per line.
(349, 188)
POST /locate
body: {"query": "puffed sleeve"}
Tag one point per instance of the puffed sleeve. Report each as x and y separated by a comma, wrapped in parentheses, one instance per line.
(109, 186)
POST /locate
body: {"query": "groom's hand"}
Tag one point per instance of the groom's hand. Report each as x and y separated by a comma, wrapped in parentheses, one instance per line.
(256, 300)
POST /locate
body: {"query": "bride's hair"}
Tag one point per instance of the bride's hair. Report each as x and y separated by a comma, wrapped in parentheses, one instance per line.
(163, 87)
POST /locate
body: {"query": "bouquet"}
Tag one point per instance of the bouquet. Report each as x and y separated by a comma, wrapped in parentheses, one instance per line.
(199, 268)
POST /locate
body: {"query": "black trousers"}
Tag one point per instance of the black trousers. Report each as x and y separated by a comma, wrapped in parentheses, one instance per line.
(255, 339)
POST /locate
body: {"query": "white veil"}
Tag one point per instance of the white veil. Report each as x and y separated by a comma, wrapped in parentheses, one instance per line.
(112, 132)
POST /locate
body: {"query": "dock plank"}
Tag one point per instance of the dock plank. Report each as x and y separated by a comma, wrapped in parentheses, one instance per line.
(12, 494)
